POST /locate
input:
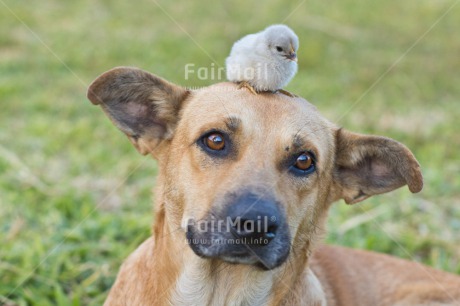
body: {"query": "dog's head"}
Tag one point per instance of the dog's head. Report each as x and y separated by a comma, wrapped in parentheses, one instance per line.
(247, 178)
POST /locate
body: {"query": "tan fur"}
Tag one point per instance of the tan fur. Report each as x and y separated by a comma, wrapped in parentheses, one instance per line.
(166, 120)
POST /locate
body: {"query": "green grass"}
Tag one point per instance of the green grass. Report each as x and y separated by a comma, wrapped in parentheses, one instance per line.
(68, 216)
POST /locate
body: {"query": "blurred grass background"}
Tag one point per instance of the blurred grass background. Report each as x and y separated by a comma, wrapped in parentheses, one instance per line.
(75, 197)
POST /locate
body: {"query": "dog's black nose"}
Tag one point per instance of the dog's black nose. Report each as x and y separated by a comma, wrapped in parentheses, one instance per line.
(253, 219)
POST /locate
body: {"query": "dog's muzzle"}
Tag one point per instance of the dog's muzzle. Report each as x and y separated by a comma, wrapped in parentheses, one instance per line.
(249, 229)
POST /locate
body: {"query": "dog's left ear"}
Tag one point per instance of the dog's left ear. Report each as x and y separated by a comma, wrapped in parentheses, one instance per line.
(369, 165)
(142, 105)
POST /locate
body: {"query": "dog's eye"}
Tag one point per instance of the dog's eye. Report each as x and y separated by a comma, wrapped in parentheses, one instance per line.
(279, 49)
(304, 164)
(215, 141)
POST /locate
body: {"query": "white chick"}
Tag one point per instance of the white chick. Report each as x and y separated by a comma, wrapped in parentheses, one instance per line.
(264, 61)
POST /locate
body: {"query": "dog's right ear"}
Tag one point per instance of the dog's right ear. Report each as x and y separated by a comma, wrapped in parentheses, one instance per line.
(142, 105)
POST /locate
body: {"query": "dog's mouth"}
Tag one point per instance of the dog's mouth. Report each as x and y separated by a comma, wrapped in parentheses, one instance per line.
(230, 247)
(248, 229)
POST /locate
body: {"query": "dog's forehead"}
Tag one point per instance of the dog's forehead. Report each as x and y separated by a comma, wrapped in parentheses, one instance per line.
(225, 99)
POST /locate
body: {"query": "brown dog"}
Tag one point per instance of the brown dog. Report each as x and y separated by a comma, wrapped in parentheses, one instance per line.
(244, 188)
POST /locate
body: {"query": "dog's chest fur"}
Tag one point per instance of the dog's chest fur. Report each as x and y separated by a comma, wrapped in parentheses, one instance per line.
(201, 284)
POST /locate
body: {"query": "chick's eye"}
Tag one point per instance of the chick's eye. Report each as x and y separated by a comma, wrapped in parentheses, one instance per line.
(279, 49)
(215, 141)
(304, 162)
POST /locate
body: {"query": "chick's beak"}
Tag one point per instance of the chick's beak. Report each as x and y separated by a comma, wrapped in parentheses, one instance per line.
(292, 56)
